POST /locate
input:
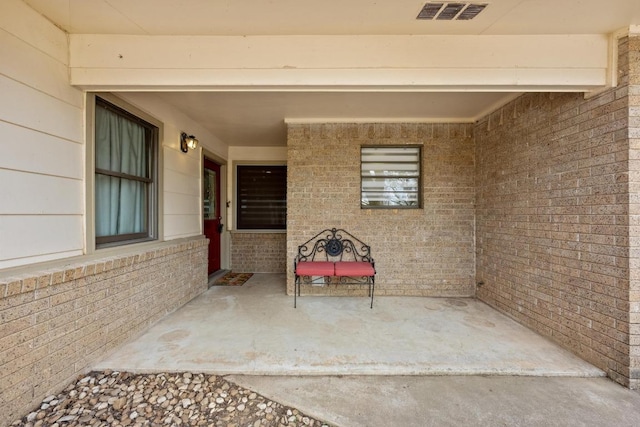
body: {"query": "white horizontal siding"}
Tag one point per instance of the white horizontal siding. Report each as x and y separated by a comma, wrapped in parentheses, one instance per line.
(32, 151)
(26, 193)
(177, 226)
(186, 164)
(23, 22)
(30, 108)
(41, 142)
(178, 182)
(181, 204)
(40, 258)
(182, 198)
(26, 236)
(28, 65)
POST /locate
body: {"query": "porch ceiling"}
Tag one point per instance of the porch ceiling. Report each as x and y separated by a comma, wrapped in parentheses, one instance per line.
(255, 117)
(331, 17)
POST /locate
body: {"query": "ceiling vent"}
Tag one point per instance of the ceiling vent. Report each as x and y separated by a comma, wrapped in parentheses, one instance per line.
(450, 11)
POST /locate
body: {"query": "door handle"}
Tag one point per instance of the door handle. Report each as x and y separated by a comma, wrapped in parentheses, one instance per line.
(220, 228)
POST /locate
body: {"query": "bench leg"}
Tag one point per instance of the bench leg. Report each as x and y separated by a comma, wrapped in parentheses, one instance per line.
(372, 285)
(296, 290)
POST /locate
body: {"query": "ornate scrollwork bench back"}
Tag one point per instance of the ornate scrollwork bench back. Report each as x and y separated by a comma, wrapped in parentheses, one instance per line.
(334, 245)
(335, 253)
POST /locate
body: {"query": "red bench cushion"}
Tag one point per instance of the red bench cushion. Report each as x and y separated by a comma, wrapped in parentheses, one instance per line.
(315, 268)
(354, 269)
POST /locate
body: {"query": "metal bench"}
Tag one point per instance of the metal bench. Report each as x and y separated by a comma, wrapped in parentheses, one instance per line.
(337, 257)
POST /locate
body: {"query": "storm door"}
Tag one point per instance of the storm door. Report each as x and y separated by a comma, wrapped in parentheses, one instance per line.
(211, 212)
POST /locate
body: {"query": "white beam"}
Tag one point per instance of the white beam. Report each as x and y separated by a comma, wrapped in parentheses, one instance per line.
(562, 62)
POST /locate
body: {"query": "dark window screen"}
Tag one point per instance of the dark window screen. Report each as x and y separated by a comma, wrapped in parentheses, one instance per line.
(262, 197)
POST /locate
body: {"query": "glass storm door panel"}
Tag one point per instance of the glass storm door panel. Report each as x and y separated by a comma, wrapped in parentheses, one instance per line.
(211, 212)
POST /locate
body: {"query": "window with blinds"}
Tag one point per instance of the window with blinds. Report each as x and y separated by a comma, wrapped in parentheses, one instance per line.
(390, 177)
(261, 197)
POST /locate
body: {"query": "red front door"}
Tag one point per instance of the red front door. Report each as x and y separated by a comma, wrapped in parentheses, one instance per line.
(211, 209)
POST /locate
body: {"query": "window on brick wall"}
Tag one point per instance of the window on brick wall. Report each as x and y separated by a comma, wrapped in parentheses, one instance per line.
(261, 197)
(390, 177)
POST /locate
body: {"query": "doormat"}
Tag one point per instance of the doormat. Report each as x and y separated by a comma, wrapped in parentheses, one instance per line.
(233, 279)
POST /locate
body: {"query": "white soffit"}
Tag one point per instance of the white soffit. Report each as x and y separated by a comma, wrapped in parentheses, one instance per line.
(331, 17)
(258, 118)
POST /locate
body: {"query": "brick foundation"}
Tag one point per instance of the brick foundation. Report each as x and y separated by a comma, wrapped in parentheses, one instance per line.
(57, 322)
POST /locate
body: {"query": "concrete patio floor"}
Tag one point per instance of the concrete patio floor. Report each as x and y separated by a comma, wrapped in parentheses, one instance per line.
(408, 362)
(439, 401)
(254, 329)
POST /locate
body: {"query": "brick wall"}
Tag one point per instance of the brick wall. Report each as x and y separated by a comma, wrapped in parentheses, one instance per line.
(57, 322)
(552, 219)
(634, 206)
(428, 251)
(258, 252)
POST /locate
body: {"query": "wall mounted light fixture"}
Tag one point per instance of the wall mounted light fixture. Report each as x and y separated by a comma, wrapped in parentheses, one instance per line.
(187, 141)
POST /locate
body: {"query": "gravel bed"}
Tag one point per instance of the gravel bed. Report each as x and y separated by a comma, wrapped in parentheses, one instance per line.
(175, 399)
